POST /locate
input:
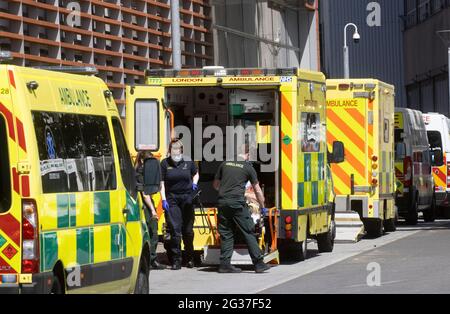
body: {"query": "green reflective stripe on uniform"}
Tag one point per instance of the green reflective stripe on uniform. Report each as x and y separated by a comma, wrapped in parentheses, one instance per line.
(91, 245)
(301, 194)
(115, 247)
(83, 251)
(72, 210)
(307, 167)
(49, 247)
(62, 202)
(315, 193)
(102, 208)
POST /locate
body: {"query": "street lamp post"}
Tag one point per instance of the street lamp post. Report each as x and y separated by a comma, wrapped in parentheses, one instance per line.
(356, 38)
(176, 36)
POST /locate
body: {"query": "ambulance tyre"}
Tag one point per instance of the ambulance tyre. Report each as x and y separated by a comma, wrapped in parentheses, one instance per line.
(374, 228)
(56, 286)
(325, 241)
(291, 251)
(142, 284)
(413, 215)
(389, 225)
(429, 215)
(58, 279)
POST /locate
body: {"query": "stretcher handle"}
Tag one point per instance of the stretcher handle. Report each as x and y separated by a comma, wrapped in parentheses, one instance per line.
(273, 231)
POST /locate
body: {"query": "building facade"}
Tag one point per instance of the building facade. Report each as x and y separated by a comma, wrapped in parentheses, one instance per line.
(379, 53)
(122, 38)
(426, 58)
(266, 33)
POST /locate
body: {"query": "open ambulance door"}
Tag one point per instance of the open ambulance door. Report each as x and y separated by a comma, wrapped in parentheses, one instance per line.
(149, 124)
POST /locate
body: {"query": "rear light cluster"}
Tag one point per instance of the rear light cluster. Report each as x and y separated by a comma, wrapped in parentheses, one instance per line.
(407, 171)
(374, 170)
(30, 237)
(288, 227)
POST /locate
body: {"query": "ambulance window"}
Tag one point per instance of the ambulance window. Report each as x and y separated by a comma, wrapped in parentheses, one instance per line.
(98, 151)
(5, 176)
(310, 132)
(147, 124)
(126, 166)
(52, 154)
(386, 131)
(75, 156)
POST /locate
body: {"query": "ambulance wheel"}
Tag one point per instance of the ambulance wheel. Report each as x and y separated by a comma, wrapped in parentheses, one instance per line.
(142, 284)
(413, 215)
(291, 251)
(389, 225)
(56, 286)
(429, 215)
(374, 228)
(325, 241)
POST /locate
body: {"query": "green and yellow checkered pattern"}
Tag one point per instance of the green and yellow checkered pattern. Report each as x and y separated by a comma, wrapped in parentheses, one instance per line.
(311, 180)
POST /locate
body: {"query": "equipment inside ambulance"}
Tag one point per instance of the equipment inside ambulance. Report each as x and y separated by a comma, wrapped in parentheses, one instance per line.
(275, 103)
(438, 128)
(70, 221)
(415, 183)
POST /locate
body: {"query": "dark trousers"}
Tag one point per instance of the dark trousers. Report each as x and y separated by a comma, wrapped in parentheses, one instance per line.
(153, 231)
(180, 222)
(232, 220)
(152, 224)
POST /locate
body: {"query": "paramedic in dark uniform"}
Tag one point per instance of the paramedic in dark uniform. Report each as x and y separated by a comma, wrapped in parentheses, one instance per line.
(179, 181)
(234, 215)
(151, 216)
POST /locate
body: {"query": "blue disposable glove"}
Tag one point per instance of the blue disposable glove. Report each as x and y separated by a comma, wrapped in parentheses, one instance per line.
(264, 211)
(165, 205)
(194, 187)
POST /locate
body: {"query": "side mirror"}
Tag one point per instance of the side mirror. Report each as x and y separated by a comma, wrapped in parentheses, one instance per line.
(338, 154)
(400, 151)
(437, 158)
(152, 176)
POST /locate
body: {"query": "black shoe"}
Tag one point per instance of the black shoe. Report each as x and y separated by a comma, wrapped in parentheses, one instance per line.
(261, 267)
(190, 264)
(157, 266)
(176, 266)
(229, 269)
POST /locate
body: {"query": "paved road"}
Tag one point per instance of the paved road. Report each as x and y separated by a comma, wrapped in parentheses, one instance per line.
(419, 263)
(413, 259)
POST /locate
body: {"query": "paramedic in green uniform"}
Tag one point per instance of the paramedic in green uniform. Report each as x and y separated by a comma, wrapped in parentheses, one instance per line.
(234, 215)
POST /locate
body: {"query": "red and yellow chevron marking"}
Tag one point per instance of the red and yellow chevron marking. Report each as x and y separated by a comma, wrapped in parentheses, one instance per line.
(287, 184)
(348, 125)
(399, 176)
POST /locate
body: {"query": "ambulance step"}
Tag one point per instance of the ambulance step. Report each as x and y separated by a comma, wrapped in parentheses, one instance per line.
(349, 227)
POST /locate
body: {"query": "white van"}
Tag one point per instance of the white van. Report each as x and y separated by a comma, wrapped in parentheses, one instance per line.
(438, 129)
(415, 183)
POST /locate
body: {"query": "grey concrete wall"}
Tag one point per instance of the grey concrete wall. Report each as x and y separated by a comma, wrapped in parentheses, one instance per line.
(379, 54)
(247, 32)
(426, 65)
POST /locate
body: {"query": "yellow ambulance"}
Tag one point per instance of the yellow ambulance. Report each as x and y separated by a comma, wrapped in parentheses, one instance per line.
(70, 221)
(287, 108)
(360, 112)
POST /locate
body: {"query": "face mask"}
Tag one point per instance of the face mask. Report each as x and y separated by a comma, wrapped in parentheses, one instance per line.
(176, 158)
